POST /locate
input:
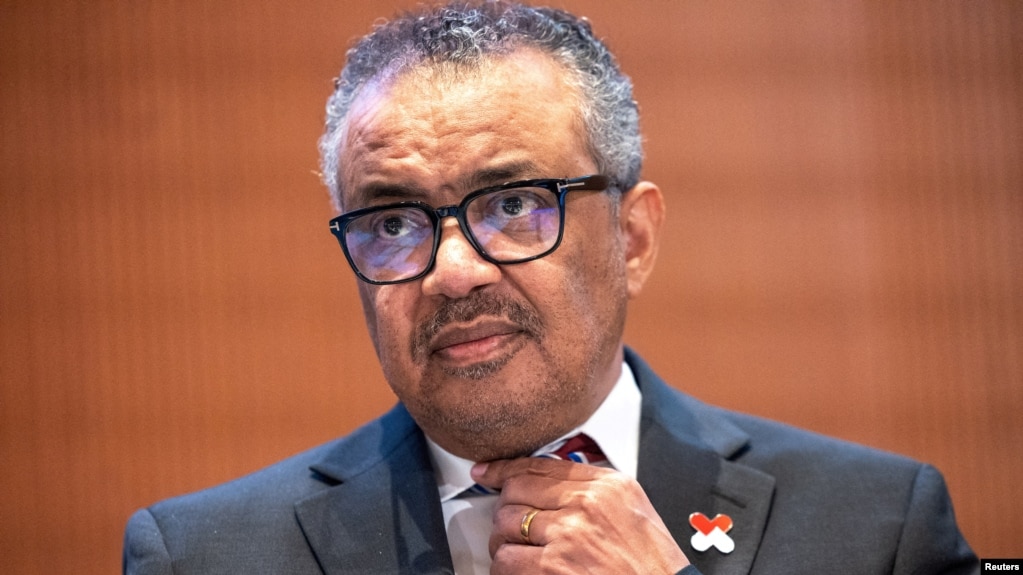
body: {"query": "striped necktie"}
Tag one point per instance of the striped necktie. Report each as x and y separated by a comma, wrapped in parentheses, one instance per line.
(579, 448)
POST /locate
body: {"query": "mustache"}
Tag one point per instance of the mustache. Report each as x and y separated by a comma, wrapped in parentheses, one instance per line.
(467, 309)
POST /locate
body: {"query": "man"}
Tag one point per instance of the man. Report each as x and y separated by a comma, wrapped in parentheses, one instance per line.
(485, 161)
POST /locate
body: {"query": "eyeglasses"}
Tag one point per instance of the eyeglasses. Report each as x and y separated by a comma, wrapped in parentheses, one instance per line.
(507, 224)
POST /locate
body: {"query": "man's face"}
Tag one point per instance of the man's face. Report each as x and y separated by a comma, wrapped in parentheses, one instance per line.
(492, 361)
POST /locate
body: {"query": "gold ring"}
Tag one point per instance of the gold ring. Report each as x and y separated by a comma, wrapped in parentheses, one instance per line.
(527, 519)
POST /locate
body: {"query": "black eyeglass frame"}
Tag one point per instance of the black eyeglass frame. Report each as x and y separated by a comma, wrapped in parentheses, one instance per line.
(559, 187)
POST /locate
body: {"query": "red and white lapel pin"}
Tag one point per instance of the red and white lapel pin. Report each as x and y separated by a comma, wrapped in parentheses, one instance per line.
(711, 532)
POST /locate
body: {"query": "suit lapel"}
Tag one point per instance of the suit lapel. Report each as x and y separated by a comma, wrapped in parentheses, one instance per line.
(686, 465)
(383, 514)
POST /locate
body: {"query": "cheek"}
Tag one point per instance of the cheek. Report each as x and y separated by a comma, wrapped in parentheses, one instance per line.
(597, 255)
(580, 290)
(367, 297)
(388, 320)
(597, 288)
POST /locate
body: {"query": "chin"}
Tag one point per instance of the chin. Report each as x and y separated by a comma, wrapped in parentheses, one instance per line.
(494, 419)
(476, 371)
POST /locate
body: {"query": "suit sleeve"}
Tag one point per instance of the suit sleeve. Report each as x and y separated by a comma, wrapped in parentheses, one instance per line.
(145, 552)
(931, 541)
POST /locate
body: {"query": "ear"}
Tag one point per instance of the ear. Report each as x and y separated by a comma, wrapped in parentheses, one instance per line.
(641, 217)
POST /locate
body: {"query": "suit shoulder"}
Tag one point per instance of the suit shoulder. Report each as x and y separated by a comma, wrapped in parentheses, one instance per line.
(855, 497)
(279, 484)
(804, 462)
(283, 483)
(250, 524)
(247, 525)
(774, 447)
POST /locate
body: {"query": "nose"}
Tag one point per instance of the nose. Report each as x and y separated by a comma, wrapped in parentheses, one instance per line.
(458, 268)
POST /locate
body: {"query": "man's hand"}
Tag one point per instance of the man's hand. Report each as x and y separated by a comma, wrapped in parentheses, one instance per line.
(589, 520)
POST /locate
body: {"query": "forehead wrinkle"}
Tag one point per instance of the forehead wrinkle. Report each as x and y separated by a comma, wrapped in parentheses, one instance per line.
(376, 145)
(375, 191)
(500, 174)
(477, 179)
(404, 128)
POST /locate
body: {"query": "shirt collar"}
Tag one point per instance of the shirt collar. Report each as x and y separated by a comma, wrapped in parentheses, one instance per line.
(614, 426)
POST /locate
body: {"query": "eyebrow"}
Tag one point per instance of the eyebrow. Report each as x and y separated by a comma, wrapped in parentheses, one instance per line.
(375, 192)
(500, 174)
(491, 176)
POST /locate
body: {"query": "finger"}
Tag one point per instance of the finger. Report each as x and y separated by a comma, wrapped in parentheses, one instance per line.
(602, 488)
(513, 559)
(518, 525)
(495, 473)
(541, 492)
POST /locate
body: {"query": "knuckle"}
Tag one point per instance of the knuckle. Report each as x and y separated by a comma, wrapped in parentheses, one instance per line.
(572, 523)
(618, 483)
(511, 485)
(505, 517)
(500, 516)
(587, 499)
(502, 559)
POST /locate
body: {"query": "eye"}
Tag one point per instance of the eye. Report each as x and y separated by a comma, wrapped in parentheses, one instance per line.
(393, 226)
(512, 205)
(516, 203)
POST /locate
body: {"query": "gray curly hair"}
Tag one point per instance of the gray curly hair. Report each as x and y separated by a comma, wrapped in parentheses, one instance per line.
(465, 34)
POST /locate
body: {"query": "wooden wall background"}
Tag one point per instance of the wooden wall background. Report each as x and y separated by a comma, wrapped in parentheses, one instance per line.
(843, 251)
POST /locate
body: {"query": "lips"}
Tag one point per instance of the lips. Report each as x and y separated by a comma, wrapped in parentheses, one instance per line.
(479, 328)
(473, 342)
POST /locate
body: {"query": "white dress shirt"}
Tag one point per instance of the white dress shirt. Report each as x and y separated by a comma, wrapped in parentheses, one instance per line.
(614, 426)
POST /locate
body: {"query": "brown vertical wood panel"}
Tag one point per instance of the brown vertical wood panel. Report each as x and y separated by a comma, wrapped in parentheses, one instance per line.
(843, 250)
(947, 178)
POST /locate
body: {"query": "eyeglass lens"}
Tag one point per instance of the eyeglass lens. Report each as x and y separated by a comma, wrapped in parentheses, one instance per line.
(508, 225)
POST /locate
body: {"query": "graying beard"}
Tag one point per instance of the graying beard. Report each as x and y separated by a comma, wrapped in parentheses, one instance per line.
(478, 371)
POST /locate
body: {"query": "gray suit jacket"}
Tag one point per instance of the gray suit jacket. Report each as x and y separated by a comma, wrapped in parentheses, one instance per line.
(368, 503)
